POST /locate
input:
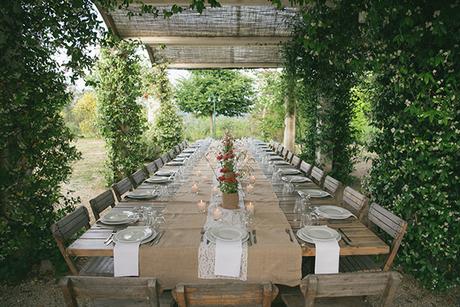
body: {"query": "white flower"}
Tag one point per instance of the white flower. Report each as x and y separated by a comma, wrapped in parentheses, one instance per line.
(392, 130)
(362, 17)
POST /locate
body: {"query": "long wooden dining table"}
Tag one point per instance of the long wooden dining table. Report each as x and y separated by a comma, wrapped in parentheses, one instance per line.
(183, 231)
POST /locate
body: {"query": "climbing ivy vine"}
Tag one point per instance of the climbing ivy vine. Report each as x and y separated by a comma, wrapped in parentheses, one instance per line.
(120, 118)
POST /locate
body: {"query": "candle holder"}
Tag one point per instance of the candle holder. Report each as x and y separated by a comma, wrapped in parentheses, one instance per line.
(201, 206)
(195, 188)
(217, 214)
(250, 188)
(251, 209)
(252, 179)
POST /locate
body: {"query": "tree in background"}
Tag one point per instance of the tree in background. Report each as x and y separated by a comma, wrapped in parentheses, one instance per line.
(84, 112)
(168, 128)
(120, 118)
(230, 90)
(268, 112)
(36, 149)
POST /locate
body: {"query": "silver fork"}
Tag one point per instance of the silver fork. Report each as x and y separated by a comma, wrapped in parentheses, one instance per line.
(110, 238)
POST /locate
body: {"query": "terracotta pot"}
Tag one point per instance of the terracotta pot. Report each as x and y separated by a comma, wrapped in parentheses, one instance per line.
(230, 200)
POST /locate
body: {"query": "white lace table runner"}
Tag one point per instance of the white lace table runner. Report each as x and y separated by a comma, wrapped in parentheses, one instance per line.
(206, 262)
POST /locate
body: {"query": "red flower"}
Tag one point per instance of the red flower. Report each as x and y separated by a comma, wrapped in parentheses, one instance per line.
(221, 178)
(219, 157)
(224, 170)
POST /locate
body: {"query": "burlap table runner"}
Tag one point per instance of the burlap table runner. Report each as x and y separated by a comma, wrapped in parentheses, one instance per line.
(175, 259)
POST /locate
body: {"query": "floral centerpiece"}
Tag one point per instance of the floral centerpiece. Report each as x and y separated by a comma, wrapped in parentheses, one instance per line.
(228, 180)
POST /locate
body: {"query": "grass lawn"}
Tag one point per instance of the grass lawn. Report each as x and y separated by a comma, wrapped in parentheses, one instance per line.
(87, 179)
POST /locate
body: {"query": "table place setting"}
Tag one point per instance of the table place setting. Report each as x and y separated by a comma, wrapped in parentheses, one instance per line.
(143, 194)
(115, 217)
(333, 212)
(165, 173)
(314, 193)
(326, 241)
(158, 179)
(126, 250)
(175, 163)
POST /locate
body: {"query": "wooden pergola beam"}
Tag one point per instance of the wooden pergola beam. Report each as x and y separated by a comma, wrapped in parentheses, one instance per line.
(108, 20)
(187, 3)
(222, 65)
(211, 41)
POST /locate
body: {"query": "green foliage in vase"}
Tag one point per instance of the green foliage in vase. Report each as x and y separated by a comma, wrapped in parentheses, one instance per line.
(268, 112)
(228, 182)
(121, 121)
(231, 90)
(168, 129)
(416, 60)
(36, 148)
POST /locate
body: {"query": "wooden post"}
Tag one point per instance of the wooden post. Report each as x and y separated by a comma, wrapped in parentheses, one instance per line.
(289, 119)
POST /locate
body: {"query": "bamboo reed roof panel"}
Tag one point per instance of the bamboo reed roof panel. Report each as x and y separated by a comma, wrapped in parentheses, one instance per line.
(228, 36)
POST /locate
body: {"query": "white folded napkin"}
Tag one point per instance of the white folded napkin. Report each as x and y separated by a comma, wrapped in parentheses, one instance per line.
(126, 259)
(228, 258)
(327, 257)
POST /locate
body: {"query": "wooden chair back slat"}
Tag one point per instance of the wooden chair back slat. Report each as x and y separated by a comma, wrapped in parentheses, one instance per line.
(390, 223)
(110, 291)
(228, 294)
(121, 187)
(165, 158)
(280, 149)
(101, 202)
(66, 228)
(331, 185)
(159, 163)
(289, 156)
(176, 150)
(296, 161)
(138, 177)
(151, 168)
(354, 200)
(317, 175)
(351, 284)
(69, 225)
(284, 152)
(171, 154)
(306, 168)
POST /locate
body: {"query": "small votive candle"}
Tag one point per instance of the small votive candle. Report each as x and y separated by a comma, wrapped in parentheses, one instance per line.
(217, 213)
(195, 188)
(250, 208)
(215, 190)
(250, 188)
(201, 206)
(252, 179)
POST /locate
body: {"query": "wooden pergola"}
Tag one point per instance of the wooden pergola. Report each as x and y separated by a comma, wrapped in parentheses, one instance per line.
(240, 34)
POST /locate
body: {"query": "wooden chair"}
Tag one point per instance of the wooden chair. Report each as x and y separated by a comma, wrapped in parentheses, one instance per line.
(176, 150)
(280, 149)
(225, 294)
(332, 185)
(171, 154)
(101, 202)
(317, 175)
(313, 287)
(110, 291)
(151, 168)
(306, 168)
(138, 177)
(354, 201)
(289, 156)
(296, 161)
(67, 229)
(121, 187)
(165, 158)
(378, 218)
(284, 153)
(159, 163)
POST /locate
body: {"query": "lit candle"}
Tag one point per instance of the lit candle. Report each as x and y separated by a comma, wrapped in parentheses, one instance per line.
(217, 213)
(250, 208)
(195, 188)
(250, 188)
(201, 206)
(252, 179)
(215, 190)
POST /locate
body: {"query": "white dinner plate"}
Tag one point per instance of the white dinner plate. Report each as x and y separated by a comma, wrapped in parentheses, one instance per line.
(333, 212)
(164, 173)
(227, 233)
(116, 217)
(290, 171)
(158, 179)
(318, 233)
(280, 162)
(175, 163)
(184, 155)
(142, 194)
(190, 150)
(178, 159)
(295, 179)
(275, 157)
(133, 234)
(315, 193)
